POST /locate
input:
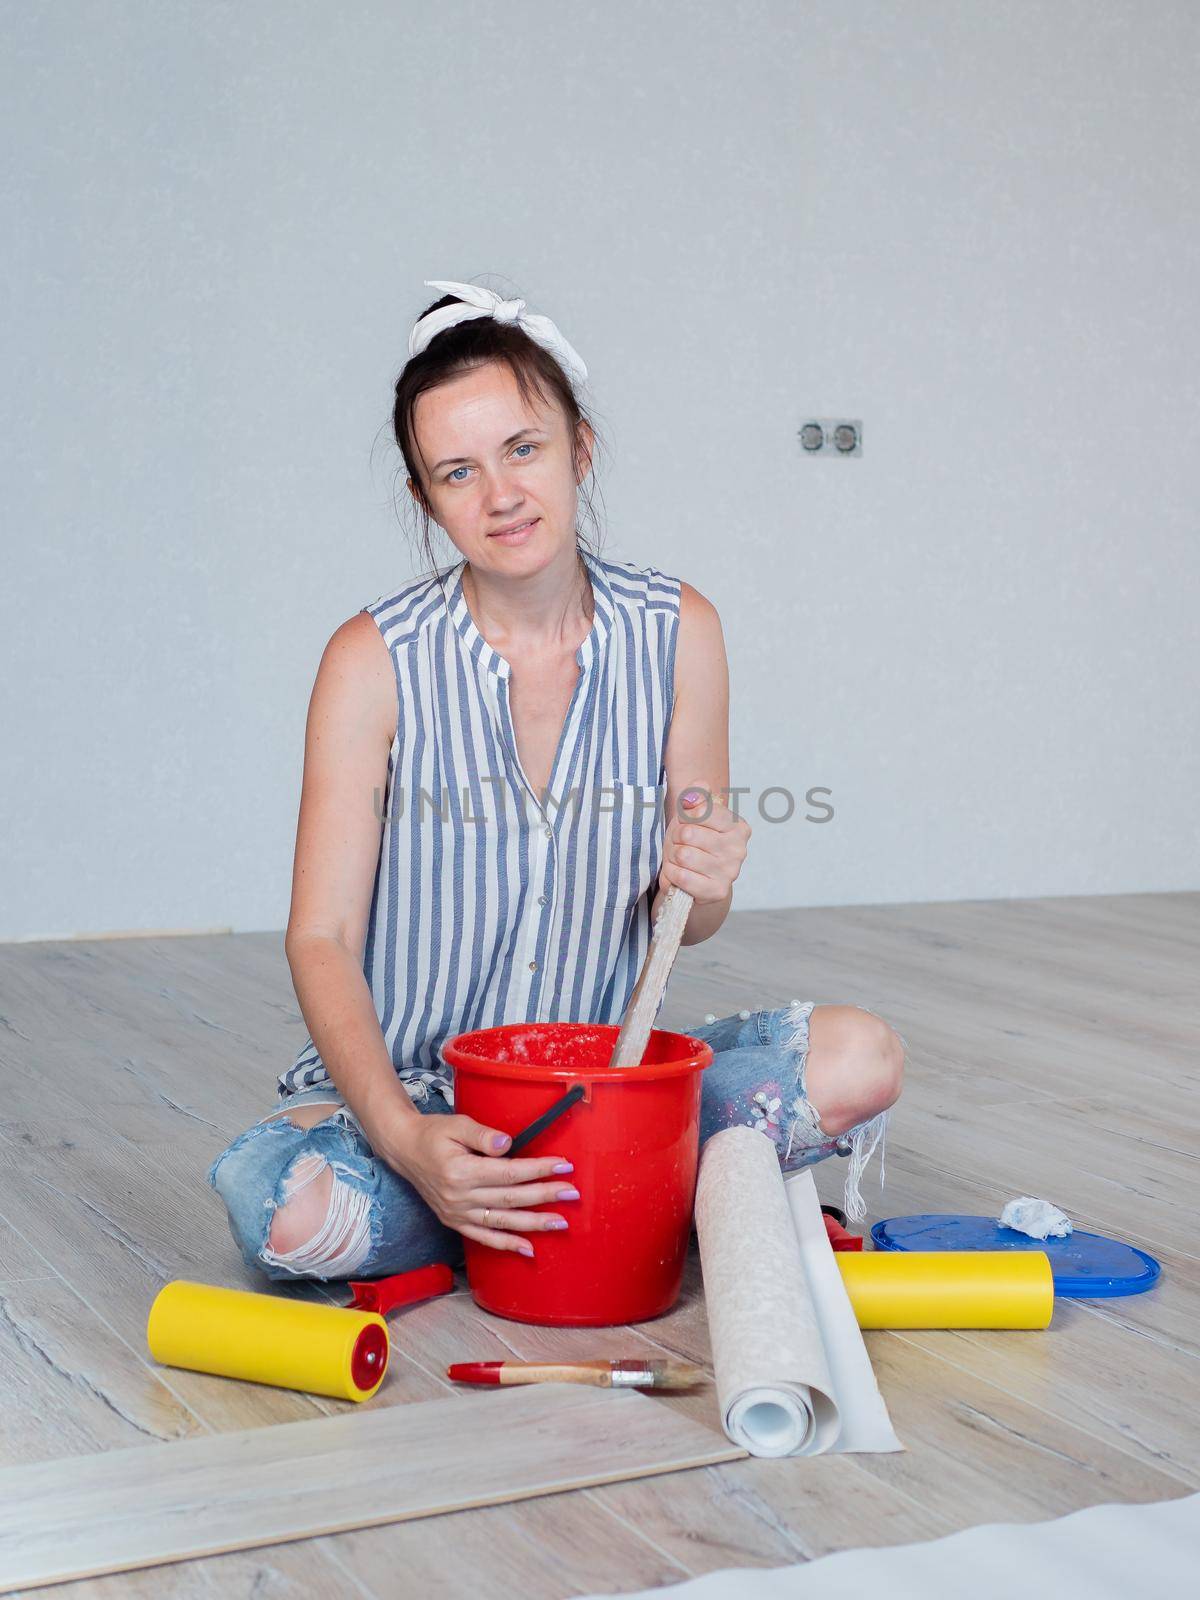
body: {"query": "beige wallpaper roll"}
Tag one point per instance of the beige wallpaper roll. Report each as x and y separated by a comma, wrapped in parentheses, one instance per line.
(773, 1383)
(792, 1372)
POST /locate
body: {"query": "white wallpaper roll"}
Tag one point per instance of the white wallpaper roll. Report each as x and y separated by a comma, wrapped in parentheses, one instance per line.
(792, 1372)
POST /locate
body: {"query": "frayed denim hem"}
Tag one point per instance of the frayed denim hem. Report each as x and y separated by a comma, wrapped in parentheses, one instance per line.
(858, 1143)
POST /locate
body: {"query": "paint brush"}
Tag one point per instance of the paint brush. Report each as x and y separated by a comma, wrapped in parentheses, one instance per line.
(600, 1374)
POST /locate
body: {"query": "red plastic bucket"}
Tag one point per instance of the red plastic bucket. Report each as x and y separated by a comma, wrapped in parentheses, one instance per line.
(634, 1140)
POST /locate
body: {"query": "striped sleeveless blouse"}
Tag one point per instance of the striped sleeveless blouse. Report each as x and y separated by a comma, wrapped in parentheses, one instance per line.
(491, 903)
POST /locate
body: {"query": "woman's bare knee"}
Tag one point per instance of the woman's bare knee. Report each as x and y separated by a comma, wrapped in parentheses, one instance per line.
(301, 1217)
(324, 1225)
(855, 1066)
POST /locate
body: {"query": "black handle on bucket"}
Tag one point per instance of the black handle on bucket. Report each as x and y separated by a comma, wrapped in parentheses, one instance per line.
(574, 1093)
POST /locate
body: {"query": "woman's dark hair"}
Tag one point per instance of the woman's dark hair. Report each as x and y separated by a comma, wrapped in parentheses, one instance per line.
(470, 344)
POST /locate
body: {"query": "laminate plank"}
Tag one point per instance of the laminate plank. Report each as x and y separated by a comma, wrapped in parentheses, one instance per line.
(70, 1386)
(18, 1259)
(86, 1204)
(543, 1549)
(135, 1508)
(308, 1571)
(1169, 1314)
(1129, 1188)
(1078, 1371)
(1160, 928)
(1146, 1121)
(922, 975)
(87, 1009)
(980, 1454)
(560, 1545)
(1048, 941)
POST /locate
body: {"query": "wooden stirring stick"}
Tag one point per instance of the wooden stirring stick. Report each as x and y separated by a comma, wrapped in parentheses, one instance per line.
(652, 980)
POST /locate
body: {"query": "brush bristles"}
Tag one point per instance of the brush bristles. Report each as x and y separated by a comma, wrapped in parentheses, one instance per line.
(674, 1374)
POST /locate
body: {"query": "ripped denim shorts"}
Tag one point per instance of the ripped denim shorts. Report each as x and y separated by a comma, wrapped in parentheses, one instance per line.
(379, 1224)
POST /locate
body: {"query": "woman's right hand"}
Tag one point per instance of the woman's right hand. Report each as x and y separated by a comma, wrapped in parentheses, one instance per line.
(458, 1167)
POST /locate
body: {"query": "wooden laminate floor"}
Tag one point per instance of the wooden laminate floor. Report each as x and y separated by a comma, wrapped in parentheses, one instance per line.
(1052, 1050)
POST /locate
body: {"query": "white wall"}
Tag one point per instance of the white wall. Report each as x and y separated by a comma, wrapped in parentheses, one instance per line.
(973, 225)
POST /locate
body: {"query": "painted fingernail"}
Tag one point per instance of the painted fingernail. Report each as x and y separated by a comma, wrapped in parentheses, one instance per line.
(559, 1222)
(499, 1140)
(563, 1166)
(567, 1194)
(525, 1249)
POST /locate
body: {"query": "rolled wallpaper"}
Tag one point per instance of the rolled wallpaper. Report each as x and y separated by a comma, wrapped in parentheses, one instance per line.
(792, 1373)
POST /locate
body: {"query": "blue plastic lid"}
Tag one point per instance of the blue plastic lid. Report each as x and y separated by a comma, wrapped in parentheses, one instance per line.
(1085, 1266)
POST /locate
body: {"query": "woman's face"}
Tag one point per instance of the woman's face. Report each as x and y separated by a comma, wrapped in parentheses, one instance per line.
(489, 462)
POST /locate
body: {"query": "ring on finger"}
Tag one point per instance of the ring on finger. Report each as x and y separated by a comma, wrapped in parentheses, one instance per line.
(487, 1211)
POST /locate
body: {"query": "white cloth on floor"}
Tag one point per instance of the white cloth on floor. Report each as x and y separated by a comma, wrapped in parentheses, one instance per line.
(1038, 1218)
(1107, 1552)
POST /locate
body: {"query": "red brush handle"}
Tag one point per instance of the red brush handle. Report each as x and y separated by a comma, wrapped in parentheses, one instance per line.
(475, 1371)
(839, 1238)
(401, 1289)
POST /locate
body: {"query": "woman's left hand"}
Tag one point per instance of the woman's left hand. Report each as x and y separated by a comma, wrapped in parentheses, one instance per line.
(703, 849)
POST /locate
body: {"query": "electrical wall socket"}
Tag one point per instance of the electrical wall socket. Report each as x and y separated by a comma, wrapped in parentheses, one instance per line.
(831, 436)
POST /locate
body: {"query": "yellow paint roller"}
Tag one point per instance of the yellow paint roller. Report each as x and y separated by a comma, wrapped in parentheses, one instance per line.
(264, 1338)
(948, 1288)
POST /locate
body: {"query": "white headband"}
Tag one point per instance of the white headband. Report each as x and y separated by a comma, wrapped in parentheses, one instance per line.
(483, 303)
